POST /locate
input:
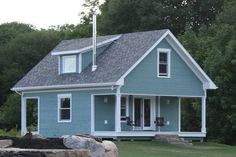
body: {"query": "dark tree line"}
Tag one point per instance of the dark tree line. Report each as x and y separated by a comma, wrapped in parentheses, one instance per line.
(207, 28)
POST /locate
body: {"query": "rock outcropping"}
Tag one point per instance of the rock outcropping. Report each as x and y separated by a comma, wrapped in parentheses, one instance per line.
(97, 149)
(15, 152)
(5, 143)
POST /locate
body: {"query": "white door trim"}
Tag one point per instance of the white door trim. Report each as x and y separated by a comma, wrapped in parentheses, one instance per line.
(152, 115)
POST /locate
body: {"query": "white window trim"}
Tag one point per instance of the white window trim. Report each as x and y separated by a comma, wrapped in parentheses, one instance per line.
(62, 64)
(59, 97)
(168, 51)
(78, 65)
(126, 107)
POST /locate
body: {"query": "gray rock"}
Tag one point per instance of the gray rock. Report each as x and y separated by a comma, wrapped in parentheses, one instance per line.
(37, 136)
(173, 139)
(14, 152)
(78, 142)
(5, 143)
(90, 136)
(110, 149)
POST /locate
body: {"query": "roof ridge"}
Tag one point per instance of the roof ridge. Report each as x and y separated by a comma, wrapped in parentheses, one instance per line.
(118, 34)
(90, 37)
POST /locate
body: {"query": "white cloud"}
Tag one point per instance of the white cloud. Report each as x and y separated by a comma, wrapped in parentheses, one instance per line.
(41, 13)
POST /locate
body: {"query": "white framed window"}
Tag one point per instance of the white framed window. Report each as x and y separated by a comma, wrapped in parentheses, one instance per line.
(124, 108)
(163, 63)
(69, 64)
(64, 107)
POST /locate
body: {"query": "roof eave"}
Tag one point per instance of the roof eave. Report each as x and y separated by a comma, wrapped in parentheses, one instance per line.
(90, 85)
(210, 85)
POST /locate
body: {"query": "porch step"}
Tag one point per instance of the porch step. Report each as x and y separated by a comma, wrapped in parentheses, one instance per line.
(173, 139)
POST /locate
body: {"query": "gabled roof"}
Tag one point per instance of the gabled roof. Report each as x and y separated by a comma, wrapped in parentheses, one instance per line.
(114, 64)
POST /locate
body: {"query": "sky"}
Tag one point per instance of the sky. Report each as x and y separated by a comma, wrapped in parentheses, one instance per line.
(41, 13)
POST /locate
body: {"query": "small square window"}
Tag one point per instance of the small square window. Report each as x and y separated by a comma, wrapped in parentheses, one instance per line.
(65, 102)
(68, 64)
(163, 57)
(163, 70)
(65, 114)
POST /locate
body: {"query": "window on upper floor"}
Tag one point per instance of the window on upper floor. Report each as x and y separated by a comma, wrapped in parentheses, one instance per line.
(64, 108)
(69, 64)
(163, 63)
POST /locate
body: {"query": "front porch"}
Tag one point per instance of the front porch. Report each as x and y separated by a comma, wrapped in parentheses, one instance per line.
(109, 114)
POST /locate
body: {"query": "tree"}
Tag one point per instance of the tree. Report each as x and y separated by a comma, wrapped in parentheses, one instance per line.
(9, 31)
(73, 31)
(121, 16)
(10, 114)
(216, 46)
(22, 47)
(190, 115)
(20, 54)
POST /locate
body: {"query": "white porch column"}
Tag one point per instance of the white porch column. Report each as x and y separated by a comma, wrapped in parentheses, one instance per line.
(159, 111)
(117, 111)
(23, 115)
(204, 114)
(92, 113)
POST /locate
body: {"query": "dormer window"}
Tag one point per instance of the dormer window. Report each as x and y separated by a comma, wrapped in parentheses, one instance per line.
(163, 63)
(68, 64)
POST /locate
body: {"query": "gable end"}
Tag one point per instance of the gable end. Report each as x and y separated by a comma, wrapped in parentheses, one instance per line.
(185, 56)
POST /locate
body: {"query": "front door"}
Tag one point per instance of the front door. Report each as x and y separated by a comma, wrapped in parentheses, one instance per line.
(143, 113)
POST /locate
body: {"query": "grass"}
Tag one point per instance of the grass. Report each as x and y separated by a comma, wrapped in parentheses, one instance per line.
(161, 149)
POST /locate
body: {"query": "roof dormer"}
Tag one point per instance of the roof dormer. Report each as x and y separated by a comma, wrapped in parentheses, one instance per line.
(75, 55)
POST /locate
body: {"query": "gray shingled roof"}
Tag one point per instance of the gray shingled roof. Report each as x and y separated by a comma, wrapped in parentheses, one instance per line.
(75, 44)
(123, 52)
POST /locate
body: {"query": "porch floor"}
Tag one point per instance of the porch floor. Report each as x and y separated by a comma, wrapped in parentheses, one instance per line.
(112, 134)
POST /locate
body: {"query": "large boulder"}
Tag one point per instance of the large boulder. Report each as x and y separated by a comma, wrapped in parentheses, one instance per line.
(79, 142)
(15, 152)
(110, 149)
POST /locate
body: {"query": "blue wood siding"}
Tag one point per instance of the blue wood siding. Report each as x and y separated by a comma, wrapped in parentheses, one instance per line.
(87, 56)
(81, 113)
(169, 109)
(143, 79)
(105, 111)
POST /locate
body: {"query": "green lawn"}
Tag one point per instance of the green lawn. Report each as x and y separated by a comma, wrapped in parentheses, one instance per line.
(160, 149)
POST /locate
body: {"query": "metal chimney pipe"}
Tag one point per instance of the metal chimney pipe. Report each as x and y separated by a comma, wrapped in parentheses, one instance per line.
(94, 66)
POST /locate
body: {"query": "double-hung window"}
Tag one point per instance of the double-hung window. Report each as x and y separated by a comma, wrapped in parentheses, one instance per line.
(69, 64)
(163, 63)
(123, 108)
(64, 108)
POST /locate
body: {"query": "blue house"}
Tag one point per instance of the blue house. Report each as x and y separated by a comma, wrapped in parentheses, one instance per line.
(129, 85)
